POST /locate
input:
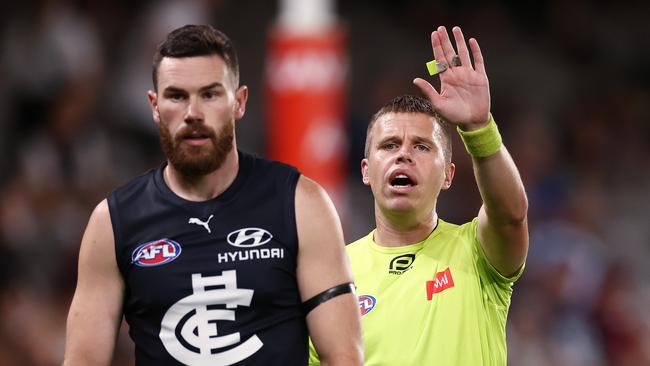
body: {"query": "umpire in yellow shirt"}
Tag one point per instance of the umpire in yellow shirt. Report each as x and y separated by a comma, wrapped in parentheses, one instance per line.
(432, 292)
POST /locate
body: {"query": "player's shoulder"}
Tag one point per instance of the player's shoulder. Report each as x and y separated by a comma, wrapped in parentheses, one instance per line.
(264, 164)
(272, 172)
(133, 186)
(99, 228)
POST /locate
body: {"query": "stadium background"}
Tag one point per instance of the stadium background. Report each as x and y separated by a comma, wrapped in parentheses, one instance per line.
(570, 88)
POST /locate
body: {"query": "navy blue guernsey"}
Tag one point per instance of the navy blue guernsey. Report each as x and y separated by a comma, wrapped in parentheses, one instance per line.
(214, 282)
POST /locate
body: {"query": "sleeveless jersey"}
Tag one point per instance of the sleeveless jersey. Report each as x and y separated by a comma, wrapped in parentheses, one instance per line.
(437, 302)
(213, 282)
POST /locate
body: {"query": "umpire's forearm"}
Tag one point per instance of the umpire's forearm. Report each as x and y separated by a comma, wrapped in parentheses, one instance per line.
(501, 188)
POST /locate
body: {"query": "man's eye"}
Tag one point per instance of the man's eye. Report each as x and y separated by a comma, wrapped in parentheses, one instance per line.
(176, 96)
(211, 94)
(390, 146)
(422, 147)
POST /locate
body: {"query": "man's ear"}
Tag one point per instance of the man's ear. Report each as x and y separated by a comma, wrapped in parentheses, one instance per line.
(152, 97)
(364, 172)
(450, 169)
(241, 96)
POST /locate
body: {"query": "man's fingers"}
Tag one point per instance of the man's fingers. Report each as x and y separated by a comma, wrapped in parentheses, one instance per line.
(463, 53)
(428, 90)
(477, 55)
(438, 53)
(445, 43)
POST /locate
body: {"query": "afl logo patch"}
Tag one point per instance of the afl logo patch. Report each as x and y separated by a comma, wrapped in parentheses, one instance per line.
(366, 304)
(249, 237)
(155, 253)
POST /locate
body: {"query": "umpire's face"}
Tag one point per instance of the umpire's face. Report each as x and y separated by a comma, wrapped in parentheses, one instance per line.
(406, 167)
(196, 106)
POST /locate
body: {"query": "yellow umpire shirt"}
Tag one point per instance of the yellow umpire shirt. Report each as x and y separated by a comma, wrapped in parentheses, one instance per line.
(437, 302)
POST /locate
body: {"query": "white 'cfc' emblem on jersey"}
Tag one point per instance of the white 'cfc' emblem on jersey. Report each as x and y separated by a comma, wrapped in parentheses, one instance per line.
(200, 329)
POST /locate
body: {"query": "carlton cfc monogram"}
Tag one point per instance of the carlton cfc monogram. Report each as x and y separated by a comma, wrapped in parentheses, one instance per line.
(200, 330)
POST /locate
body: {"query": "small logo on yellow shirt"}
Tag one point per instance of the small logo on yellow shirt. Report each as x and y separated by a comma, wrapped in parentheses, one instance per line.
(366, 303)
(401, 264)
(442, 282)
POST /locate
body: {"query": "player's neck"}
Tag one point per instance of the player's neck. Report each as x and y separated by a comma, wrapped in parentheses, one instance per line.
(400, 230)
(205, 187)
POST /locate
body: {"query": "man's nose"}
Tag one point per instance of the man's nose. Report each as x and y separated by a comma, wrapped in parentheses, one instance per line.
(194, 111)
(404, 155)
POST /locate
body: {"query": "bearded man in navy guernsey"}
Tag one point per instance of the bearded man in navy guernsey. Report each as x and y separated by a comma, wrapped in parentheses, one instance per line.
(217, 257)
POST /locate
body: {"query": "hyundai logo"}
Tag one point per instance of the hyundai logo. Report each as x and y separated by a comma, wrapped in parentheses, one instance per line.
(249, 237)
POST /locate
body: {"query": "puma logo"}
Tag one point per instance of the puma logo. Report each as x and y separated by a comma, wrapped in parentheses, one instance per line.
(194, 220)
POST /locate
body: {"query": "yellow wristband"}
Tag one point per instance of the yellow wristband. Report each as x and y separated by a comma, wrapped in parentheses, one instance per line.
(483, 142)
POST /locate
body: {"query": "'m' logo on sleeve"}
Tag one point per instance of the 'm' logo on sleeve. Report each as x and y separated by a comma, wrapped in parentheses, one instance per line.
(442, 282)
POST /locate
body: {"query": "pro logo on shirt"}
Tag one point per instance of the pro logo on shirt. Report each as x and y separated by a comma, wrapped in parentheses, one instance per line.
(366, 303)
(442, 282)
(155, 253)
(401, 264)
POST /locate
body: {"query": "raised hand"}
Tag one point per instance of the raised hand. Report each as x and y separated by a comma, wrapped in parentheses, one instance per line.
(464, 97)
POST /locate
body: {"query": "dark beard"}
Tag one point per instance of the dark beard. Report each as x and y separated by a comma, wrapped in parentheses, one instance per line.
(195, 161)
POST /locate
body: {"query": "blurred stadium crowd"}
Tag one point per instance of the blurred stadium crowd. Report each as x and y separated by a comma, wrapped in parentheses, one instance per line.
(570, 89)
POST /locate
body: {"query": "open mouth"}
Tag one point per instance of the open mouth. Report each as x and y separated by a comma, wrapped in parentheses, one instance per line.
(402, 180)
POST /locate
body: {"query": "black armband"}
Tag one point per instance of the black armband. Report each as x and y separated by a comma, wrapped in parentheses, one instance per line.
(326, 295)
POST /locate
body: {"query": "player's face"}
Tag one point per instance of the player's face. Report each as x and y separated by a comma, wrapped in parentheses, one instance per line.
(196, 106)
(406, 167)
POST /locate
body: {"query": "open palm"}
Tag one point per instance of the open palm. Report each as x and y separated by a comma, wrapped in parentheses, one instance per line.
(464, 97)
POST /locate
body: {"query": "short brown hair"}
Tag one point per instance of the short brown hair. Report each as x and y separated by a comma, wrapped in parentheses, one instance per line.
(196, 40)
(412, 104)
